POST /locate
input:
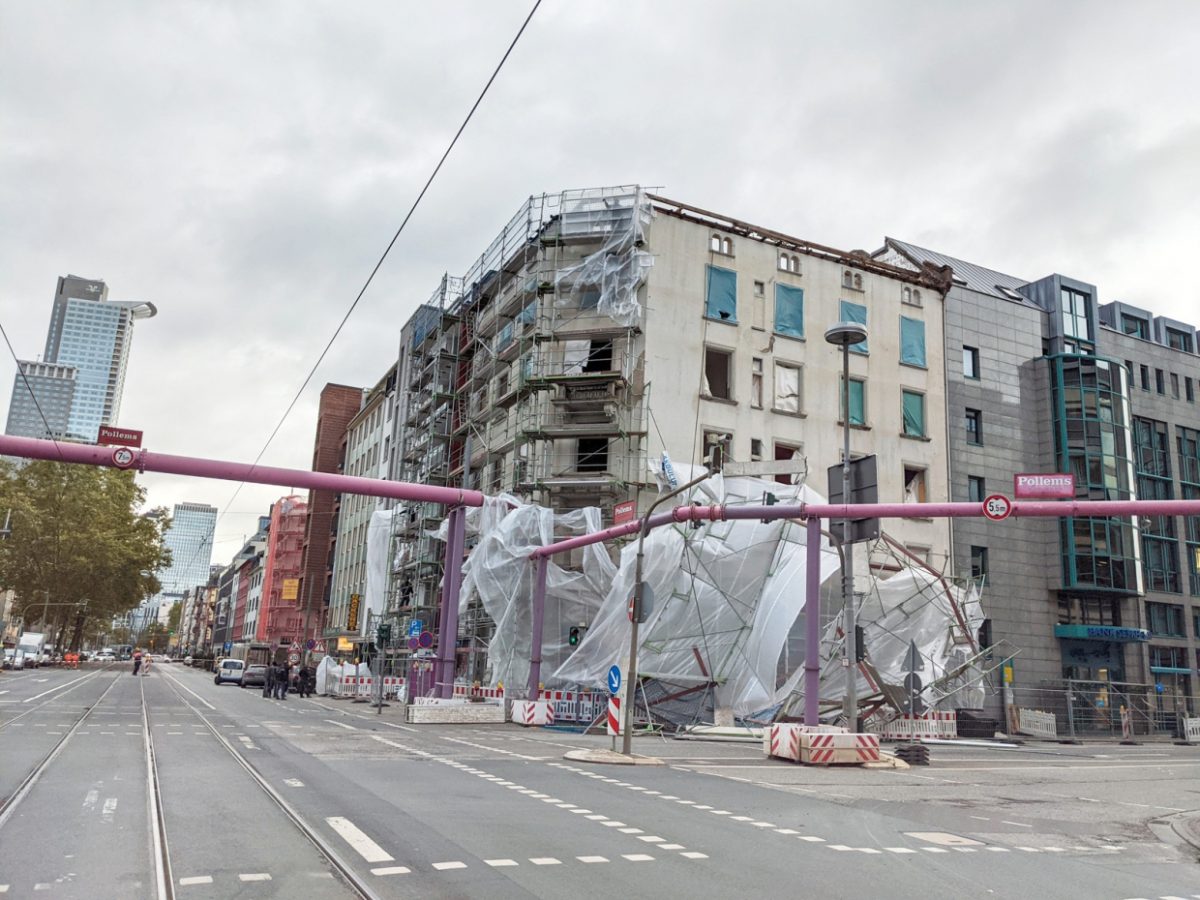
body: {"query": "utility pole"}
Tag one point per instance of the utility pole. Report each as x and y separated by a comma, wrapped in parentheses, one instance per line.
(639, 596)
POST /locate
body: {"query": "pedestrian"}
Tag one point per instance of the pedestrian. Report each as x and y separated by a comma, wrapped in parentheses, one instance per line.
(137, 661)
(269, 680)
(281, 686)
(304, 681)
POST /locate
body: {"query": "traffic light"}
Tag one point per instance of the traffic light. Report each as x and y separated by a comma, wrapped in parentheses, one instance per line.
(385, 632)
(769, 499)
(575, 635)
(860, 644)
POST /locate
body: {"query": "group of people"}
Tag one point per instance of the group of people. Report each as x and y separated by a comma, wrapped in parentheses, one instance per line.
(279, 680)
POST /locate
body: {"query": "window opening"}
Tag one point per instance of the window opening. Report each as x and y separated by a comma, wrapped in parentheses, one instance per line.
(913, 404)
(721, 301)
(787, 388)
(971, 362)
(912, 341)
(592, 455)
(756, 382)
(914, 484)
(974, 425)
(717, 381)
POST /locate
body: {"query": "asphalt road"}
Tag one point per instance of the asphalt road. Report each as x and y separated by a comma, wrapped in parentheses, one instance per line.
(299, 798)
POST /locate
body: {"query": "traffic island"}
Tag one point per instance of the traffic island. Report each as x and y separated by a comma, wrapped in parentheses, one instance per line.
(611, 758)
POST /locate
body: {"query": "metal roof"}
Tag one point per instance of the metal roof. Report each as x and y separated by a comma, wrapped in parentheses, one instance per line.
(966, 274)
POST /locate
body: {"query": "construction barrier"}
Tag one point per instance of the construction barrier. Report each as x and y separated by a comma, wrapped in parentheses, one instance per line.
(1036, 723)
(614, 716)
(782, 739)
(533, 712)
(838, 749)
(939, 724)
(473, 690)
(576, 706)
(1191, 731)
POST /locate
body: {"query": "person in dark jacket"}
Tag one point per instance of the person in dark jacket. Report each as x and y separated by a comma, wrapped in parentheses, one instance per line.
(304, 681)
(269, 681)
(282, 675)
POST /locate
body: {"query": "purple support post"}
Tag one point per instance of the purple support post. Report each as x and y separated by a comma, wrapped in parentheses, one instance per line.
(812, 624)
(448, 633)
(539, 614)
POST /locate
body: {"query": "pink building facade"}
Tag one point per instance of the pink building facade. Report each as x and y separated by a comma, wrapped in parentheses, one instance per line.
(281, 615)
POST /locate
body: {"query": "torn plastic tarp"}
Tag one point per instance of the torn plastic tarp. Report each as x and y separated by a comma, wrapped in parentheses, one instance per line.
(500, 575)
(725, 597)
(379, 564)
(609, 278)
(911, 606)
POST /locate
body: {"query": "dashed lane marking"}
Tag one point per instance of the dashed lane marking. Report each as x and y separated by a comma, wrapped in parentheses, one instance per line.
(545, 861)
(254, 876)
(195, 879)
(341, 725)
(582, 859)
(637, 857)
(692, 854)
(391, 870)
(293, 782)
(446, 866)
(358, 840)
(499, 863)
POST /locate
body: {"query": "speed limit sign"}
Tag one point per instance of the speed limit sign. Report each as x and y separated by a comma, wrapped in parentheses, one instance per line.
(997, 507)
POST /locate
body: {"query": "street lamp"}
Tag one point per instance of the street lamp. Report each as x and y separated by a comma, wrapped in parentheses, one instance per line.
(845, 335)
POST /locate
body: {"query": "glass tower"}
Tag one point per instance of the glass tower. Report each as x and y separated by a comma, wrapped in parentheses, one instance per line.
(89, 336)
(190, 539)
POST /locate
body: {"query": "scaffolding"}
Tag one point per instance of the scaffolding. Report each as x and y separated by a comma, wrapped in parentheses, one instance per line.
(525, 376)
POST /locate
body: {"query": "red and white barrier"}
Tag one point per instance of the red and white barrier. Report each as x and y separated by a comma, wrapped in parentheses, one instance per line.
(532, 712)
(838, 749)
(614, 716)
(940, 724)
(782, 739)
(470, 690)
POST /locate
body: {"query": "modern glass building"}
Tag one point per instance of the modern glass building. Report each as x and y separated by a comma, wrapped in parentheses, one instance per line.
(190, 540)
(91, 336)
(42, 398)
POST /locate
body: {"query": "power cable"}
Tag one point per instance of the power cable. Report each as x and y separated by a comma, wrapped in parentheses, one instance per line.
(33, 396)
(371, 277)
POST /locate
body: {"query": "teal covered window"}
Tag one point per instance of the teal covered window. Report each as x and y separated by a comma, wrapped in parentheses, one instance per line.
(789, 310)
(721, 298)
(1187, 440)
(854, 312)
(912, 342)
(914, 413)
(858, 401)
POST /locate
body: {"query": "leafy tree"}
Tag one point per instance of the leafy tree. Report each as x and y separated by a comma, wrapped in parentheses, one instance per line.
(173, 616)
(76, 534)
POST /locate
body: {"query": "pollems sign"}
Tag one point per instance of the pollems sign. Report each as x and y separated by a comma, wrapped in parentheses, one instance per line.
(1044, 486)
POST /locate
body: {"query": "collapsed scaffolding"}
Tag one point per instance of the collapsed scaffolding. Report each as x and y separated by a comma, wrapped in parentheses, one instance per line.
(523, 376)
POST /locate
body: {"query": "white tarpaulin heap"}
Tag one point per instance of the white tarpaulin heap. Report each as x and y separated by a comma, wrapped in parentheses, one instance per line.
(500, 574)
(725, 597)
(912, 606)
(379, 565)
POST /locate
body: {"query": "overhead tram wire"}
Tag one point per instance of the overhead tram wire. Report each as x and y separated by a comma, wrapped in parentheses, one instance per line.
(412, 209)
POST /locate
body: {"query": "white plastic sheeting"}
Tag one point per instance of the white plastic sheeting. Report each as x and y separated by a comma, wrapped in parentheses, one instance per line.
(500, 574)
(726, 595)
(609, 278)
(911, 606)
(379, 564)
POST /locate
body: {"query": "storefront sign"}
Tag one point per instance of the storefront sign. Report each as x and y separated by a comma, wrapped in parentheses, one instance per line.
(625, 511)
(1048, 486)
(1101, 633)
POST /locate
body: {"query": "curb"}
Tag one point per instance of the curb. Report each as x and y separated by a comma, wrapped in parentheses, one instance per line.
(610, 757)
(1187, 826)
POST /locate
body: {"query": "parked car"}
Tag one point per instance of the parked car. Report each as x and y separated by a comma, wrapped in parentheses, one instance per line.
(10, 657)
(229, 670)
(106, 656)
(254, 676)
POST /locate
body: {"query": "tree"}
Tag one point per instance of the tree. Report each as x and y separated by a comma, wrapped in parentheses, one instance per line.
(173, 616)
(77, 535)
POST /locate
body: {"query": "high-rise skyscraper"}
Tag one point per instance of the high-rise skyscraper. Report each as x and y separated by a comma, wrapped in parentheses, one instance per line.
(190, 539)
(87, 347)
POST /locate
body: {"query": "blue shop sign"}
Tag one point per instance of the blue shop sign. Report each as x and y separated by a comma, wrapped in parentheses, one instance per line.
(1101, 633)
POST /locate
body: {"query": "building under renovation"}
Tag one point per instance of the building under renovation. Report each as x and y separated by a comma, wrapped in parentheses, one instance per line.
(607, 332)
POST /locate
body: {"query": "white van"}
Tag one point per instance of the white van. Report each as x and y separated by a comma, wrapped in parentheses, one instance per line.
(229, 670)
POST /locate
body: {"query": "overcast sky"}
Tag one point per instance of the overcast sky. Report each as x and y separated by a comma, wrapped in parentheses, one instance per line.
(243, 164)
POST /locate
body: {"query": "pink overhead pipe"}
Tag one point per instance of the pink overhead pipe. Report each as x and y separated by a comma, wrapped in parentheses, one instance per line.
(147, 461)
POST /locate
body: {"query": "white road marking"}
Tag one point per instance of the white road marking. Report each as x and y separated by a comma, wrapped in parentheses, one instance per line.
(341, 725)
(631, 830)
(812, 839)
(650, 838)
(391, 870)
(868, 850)
(109, 810)
(596, 817)
(195, 879)
(293, 782)
(786, 831)
(582, 859)
(545, 861)
(352, 835)
(638, 857)
(840, 847)
(613, 824)
(742, 818)
(717, 812)
(254, 876)
(444, 866)
(89, 802)
(692, 854)
(498, 863)
(935, 850)
(899, 850)
(59, 687)
(3, 888)
(944, 839)
(763, 824)
(1020, 824)
(999, 849)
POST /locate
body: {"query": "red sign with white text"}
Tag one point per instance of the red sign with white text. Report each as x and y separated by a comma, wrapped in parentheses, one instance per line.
(624, 512)
(1047, 486)
(125, 437)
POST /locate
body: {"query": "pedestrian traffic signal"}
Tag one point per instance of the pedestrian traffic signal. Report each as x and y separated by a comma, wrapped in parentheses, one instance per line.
(575, 635)
(385, 632)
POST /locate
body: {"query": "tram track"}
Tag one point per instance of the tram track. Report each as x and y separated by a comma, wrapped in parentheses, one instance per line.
(337, 862)
(10, 803)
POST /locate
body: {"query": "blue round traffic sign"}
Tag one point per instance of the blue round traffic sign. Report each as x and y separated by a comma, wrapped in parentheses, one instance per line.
(614, 679)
